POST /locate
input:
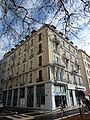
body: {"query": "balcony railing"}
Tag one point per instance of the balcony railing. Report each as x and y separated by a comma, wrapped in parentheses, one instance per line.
(66, 57)
(55, 40)
(31, 56)
(39, 80)
(22, 83)
(58, 64)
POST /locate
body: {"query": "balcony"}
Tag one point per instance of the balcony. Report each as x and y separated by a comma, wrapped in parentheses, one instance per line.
(66, 57)
(69, 81)
(10, 75)
(24, 60)
(40, 51)
(55, 40)
(18, 63)
(74, 72)
(22, 83)
(77, 64)
(56, 51)
(10, 86)
(31, 56)
(39, 80)
(58, 64)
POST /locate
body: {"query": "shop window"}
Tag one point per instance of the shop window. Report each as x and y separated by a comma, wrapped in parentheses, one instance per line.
(40, 93)
(22, 93)
(4, 97)
(15, 96)
(30, 96)
(9, 97)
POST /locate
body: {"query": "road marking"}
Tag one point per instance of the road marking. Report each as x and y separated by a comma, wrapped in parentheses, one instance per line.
(67, 116)
(20, 117)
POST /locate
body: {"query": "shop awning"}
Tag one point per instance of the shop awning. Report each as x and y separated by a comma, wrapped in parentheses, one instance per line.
(83, 93)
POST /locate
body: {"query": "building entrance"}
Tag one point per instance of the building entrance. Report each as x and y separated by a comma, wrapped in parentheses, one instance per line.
(60, 100)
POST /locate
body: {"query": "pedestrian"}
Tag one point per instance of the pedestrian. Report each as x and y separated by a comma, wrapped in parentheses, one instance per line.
(87, 103)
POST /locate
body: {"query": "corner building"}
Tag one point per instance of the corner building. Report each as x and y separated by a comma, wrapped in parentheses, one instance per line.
(42, 71)
(84, 61)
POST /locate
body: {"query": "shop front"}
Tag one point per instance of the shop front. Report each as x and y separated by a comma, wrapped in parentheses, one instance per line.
(60, 95)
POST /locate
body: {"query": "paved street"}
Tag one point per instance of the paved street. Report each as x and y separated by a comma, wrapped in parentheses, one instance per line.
(39, 115)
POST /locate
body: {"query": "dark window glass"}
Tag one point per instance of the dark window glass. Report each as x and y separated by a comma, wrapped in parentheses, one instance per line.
(40, 75)
(40, 48)
(22, 93)
(40, 93)
(40, 36)
(40, 60)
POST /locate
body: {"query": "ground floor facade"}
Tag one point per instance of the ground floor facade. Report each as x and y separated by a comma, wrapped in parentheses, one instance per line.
(44, 95)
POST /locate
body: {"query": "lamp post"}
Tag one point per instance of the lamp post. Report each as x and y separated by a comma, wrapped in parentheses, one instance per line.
(77, 92)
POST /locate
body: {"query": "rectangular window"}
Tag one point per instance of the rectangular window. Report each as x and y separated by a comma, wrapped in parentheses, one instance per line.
(31, 53)
(40, 36)
(23, 67)
(25, 48)
(70, 57)
(16, 81)
(19, 51)
(55, 47)
(15, 97)
(75, 82)
(30, 78)
(68, 78)
(40, 48)
(17, 70)
(40, 75)
(40, 60)
(18, 61)
(57, 60)
(30, 96)
(40, 93)
(22, 92)
(31, 64)
(6, 85)
(72, 67)
(23, 79)
(24, 59)
(66, 64)
(9, 97)
(31, 42)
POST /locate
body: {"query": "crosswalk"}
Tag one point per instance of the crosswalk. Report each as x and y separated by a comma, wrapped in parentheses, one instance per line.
(20, 117)
(24, 116)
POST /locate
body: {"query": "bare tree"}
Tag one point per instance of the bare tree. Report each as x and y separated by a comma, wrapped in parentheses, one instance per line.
(19, 17)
